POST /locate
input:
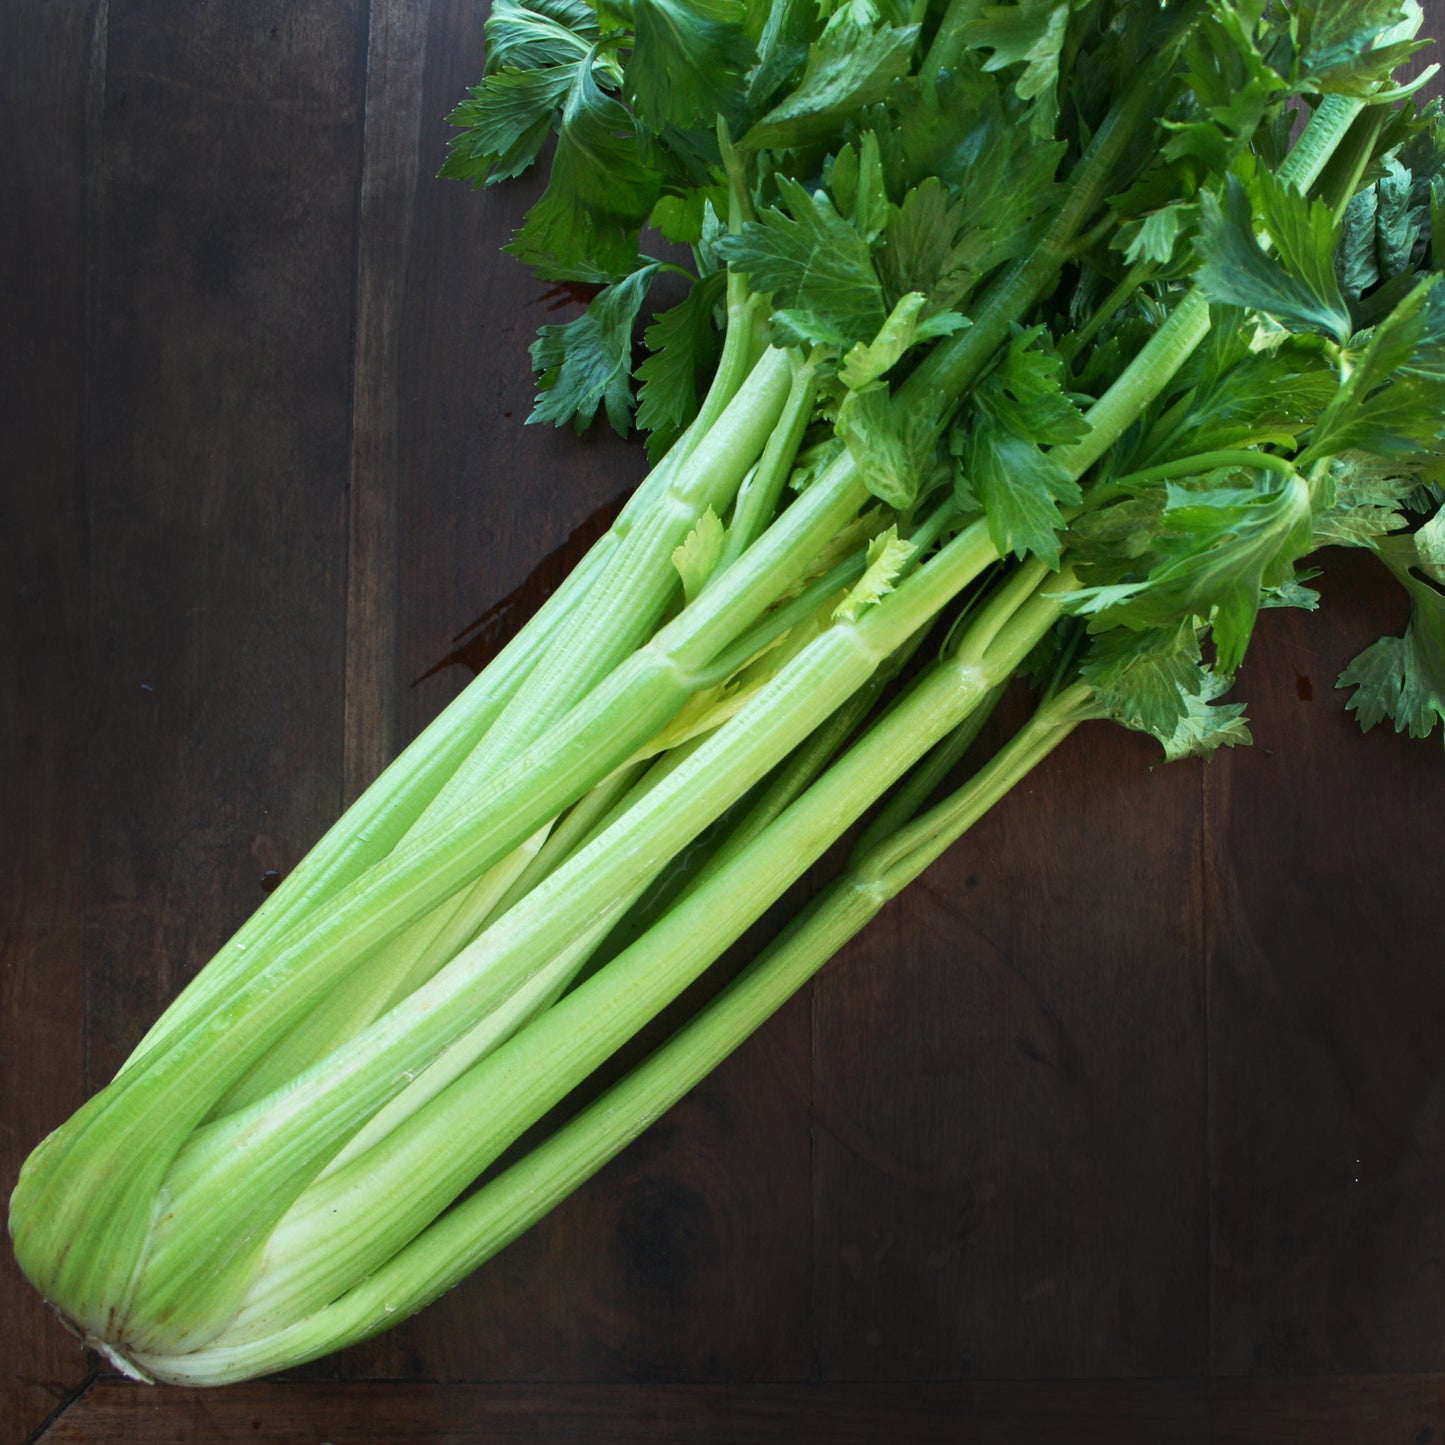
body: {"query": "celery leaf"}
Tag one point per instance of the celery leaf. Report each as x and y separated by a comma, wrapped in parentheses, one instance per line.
(854, 63)
(999, 176)
(1020, 407)
(1430, 547)
(1236, 394)
(1207, 725)
(698, 555)
(588, 362)
(1393, 400)
(533, 34)
(687, 61)
(905, 326)
(1218, 548)
(534, 50)
(1143, 677)
(1364, 499)
(856, 183)
(894, 452)
(1030, 35)
(505, 123)
(1298, 288)
(814, 264)
(1357, 263)
(927, 248)
(1344, 47)
(600, 192)
(782, 50)
(683, 344)
(888, 554)
(1020, 489)
(1153, 680)
(1403, 678)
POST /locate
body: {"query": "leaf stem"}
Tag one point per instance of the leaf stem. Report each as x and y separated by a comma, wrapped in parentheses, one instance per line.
(758, 500)
(1135, 277)
(1192, 466)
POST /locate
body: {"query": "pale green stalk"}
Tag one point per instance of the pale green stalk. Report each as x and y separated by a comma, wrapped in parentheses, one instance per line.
(147, 1114)
(890, 864)
(423, 779)
(415, 954)
(1137, 387)
(383, 813)
(622, 610)
(389, 973)
(249, 1167)
(602, 807)
(758, 500)
(1160, 360)
(572, 830)
(806, 761)
(913, 792)
(381, 1196)
(411, 784)
(695, 865)
(333, 1108)
(513, 1013)
(513, 1086)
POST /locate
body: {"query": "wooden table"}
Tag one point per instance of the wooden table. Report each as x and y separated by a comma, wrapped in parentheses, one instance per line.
(1126, 1124)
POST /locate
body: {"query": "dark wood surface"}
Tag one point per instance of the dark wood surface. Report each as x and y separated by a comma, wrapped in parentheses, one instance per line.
(1380, 1409)
(1127, 1123)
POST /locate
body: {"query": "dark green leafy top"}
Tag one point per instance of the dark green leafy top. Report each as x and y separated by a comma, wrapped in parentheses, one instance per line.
(867, 180)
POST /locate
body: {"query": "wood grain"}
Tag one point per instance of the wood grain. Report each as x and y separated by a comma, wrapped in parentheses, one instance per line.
(50, 79)
(1349, 1410)
(1326, 1015)
(216, 465)
(1010, 1094)
(392, 127)
(464, 500)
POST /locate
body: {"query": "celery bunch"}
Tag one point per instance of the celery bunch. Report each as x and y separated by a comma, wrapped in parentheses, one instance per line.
(1016, 338)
